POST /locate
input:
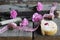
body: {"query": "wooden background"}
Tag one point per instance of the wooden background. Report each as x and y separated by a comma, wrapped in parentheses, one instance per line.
(36, 37)
(29, 38)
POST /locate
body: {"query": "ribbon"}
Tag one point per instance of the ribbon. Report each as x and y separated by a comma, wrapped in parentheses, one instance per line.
(5, 28)
(27, 29)
(53, 8)
(23, 26)
(51, 14)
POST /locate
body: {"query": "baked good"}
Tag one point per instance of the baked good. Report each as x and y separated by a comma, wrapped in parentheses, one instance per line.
(48, 27)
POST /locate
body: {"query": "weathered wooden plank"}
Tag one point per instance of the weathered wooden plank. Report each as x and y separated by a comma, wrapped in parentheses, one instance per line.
(5, 8)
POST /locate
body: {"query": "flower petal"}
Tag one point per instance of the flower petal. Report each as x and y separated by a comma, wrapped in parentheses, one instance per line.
(39, 6)
(24, 22)
(36, 17)
(13, 14)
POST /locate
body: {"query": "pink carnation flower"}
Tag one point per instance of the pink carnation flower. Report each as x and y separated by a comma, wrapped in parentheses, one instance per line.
(36, 17)
(39, 6)
(13, 14)
(24, 22)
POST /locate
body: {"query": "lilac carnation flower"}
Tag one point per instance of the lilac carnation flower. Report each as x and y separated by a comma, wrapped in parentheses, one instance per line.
(39, 6)
(13, 14)
(24, 22)
(36, 17)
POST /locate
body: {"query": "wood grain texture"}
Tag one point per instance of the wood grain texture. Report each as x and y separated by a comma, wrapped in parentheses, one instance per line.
(15, 38)
(29, 38)
(47, 38)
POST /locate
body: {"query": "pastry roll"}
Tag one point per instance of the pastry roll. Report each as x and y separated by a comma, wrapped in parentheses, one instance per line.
(48, 27)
